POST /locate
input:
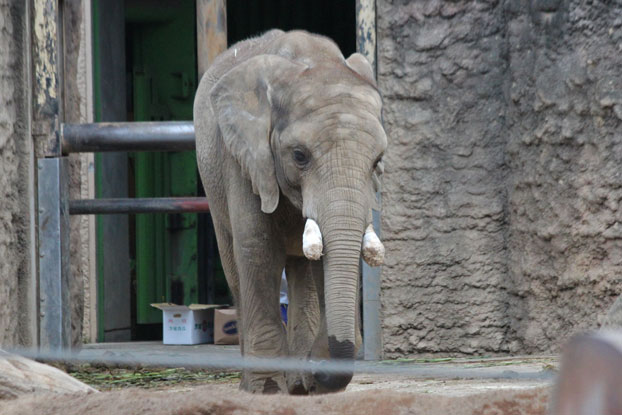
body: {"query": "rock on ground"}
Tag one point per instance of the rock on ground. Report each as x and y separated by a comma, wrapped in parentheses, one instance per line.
(20, 376)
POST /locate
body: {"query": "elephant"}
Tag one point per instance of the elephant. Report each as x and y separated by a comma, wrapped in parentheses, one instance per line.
(289, 141)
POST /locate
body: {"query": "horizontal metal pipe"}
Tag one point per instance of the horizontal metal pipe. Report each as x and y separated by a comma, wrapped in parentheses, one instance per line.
(127, 136)
(484, 369)
(138, 205)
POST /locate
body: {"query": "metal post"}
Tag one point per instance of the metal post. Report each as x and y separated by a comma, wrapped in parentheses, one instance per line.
(47, 66)
(54, 305)
(366, 30)
(211, 32)
(372, 328)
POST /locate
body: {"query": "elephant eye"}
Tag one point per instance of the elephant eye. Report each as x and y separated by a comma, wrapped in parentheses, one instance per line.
(301, 157)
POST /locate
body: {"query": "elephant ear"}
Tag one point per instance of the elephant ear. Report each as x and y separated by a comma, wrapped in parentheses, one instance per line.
(359, 64)
(243, 102)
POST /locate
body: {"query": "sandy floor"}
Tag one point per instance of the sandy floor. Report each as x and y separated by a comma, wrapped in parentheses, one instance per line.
(225, 400)
(405, 384)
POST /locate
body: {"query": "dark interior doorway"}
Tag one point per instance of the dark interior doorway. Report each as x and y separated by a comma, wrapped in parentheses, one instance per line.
(335, 19)
(173, 256)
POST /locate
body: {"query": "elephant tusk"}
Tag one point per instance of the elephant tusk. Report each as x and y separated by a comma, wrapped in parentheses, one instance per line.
(373, 249)
(312, 240)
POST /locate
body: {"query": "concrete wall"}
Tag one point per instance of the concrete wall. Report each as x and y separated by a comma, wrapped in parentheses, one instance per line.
(16, 282)
(502, 186)
(78, 109)
(29, 104)
(564, 153)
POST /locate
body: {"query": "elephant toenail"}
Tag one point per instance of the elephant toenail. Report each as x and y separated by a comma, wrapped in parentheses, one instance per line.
(270, 386)
(298, 388)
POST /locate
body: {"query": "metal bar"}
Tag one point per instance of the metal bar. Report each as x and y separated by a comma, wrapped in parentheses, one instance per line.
(138, 205)
(127, 136)
(232, 360)
(372, 328)
(54, 304)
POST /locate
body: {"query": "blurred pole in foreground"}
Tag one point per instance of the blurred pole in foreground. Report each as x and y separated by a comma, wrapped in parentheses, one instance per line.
(590, 379)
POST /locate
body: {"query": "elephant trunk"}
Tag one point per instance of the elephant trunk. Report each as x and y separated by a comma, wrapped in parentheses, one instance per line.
(342, 224)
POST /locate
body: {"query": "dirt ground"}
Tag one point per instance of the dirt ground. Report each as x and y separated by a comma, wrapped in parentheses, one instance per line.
(224, 400)
(180, 391)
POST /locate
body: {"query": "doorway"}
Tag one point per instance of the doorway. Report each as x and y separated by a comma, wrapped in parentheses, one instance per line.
(334, 19)
(170, 257)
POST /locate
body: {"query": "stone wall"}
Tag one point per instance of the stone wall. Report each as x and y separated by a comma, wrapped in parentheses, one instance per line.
(501, 194)
(21, 142)
(15, 270)
(564, 153)
(77, 111)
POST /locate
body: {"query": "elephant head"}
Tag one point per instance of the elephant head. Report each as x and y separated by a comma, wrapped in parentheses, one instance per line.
(310, 130)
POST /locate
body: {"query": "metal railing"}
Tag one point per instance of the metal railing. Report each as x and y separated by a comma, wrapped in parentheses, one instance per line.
(138, 205)
(55, 207)
(131, 136)
(127, 136)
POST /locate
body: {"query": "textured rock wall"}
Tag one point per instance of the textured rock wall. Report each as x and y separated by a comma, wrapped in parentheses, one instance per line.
(17, 158)
(76, 111)
(14, 259)
(564, 152)
(501, 193)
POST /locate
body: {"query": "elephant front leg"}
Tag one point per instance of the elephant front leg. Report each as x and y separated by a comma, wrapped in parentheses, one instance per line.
(260, 265)
(303, 316)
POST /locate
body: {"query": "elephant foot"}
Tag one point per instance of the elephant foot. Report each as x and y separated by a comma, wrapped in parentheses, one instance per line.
(263, 382)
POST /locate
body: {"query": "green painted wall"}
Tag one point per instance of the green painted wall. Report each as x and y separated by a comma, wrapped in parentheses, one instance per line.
(161, 61)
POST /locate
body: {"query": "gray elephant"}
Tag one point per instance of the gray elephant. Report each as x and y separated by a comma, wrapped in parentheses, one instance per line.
(290, 141)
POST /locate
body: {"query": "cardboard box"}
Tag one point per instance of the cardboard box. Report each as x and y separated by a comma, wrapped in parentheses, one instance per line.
(193, 324)
(226, 326)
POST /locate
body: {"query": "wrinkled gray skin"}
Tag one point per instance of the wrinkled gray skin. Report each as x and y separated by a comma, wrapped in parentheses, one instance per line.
(287, 129)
